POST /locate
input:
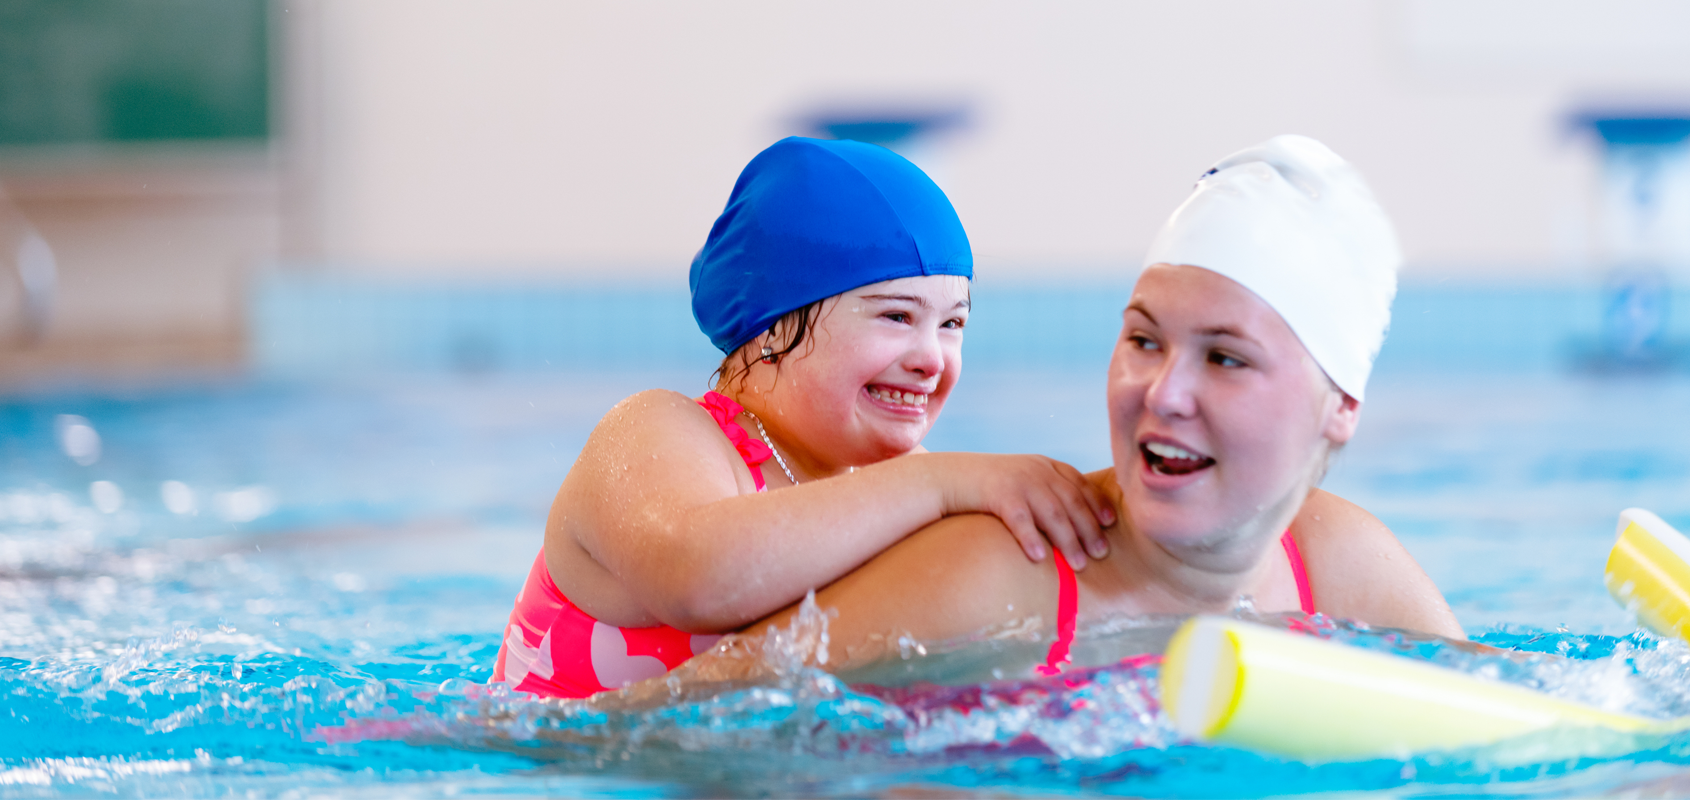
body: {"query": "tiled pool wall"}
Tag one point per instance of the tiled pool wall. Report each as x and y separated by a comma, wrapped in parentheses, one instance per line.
(304, 323)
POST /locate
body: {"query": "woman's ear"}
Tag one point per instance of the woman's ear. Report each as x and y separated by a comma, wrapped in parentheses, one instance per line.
(1341, 422)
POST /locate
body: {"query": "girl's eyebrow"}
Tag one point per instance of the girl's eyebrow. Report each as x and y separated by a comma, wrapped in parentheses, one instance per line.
(1139, 307)
(910, 298)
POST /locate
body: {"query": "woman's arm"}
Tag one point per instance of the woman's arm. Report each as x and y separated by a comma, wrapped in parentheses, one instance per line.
(657, 521)
(1358, 569)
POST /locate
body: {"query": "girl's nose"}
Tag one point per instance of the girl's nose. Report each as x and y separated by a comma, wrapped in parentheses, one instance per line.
(926, 356)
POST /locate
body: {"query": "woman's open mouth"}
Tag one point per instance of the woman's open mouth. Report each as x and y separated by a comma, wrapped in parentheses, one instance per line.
(1168, 459)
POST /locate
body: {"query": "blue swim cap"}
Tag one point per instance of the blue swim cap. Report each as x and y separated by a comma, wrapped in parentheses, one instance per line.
(812, 218)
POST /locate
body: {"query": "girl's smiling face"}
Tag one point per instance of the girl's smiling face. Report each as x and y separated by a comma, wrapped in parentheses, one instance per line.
(873, 375)
(1220, 421)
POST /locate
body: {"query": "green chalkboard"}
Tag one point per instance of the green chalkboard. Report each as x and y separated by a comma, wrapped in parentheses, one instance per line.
(90, 71)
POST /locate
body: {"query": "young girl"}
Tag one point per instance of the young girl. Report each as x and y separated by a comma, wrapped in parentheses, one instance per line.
(1240, 371)
(836, 281)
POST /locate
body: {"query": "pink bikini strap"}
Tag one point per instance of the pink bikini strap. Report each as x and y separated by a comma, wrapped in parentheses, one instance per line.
(1299, 573)
(753, 452)
(1067, 610)
(1068, 603)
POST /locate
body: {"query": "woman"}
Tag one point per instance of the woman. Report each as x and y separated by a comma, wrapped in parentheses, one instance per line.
(1240, 371)
(836, 283)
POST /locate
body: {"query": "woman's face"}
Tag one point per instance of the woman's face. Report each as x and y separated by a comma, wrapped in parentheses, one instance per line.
(1220, 421)
(871, 379)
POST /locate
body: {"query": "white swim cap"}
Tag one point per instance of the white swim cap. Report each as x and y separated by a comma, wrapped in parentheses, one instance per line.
(1291, 221)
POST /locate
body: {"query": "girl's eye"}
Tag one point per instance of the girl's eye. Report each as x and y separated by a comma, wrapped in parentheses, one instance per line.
(1221, 359)
(955, 324)
(1143, 342)
(897, 316)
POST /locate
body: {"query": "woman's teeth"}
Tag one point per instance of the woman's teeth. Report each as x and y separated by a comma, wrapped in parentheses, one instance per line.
(1170, 451)
(895, 396)
(1169, 459)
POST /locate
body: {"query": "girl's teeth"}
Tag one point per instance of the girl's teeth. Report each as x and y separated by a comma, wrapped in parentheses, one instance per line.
(904, 398)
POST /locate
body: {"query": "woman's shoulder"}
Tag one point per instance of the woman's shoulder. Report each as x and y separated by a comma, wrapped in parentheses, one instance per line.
(1358, 569)
(960, 575)
(976, 543)
(1327, 520)
(1105, 479)
(959, 557)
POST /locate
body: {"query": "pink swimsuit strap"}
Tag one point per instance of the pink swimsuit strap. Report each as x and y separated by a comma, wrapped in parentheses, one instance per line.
(725, 411)
(1299, 572)
(552, 648)
(1067, 613)
(1068, 602)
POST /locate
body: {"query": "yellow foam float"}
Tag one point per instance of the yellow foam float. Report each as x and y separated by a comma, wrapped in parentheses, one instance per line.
(1649, 573)
(1240, 684)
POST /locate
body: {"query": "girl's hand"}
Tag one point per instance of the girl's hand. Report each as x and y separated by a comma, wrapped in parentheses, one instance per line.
(1037, 498)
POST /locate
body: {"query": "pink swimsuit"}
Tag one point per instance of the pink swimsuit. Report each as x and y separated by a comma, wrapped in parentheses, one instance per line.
(554, 649)
(1068, 603)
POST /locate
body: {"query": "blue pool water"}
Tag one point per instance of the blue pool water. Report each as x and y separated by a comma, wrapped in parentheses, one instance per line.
(277, 587)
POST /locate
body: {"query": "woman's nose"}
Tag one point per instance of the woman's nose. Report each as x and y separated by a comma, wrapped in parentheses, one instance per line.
(1171, 392)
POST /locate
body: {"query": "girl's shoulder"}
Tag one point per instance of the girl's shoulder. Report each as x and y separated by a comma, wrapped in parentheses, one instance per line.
(656, 423)
(659, 412)
(650, 403)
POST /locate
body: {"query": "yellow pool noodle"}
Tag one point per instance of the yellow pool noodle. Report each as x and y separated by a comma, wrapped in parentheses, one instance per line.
(1649, 573)
(1240, 684)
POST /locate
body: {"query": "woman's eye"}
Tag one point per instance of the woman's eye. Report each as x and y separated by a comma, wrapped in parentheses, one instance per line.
(1220, 359)
(955, 324)
(897, 316)
(1143, 342)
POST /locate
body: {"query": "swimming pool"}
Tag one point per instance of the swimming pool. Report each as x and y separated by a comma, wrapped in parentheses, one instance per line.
(296, 586)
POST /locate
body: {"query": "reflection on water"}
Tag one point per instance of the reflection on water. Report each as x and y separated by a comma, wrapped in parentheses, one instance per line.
(326, 620)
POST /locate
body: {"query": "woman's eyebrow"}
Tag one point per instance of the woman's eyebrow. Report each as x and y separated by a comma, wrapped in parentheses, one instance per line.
(1225, 330)
(1135, 306)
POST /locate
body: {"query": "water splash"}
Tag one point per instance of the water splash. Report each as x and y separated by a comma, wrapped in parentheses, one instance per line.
(717, 722)
(152, 653)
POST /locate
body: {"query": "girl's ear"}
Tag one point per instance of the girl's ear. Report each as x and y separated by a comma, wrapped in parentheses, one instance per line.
(1342, 421)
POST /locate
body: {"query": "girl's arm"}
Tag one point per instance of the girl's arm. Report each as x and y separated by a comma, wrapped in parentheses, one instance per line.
(658, 521)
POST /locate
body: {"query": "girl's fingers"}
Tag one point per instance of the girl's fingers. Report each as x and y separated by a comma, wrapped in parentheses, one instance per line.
(1019, 521)
(1084, 520)
(1052, 516)
(1100, 506)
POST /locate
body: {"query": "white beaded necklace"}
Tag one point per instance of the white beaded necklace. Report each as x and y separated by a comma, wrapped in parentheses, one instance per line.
(772, 448)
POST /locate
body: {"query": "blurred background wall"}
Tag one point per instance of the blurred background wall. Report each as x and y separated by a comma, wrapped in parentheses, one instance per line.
(568, 143)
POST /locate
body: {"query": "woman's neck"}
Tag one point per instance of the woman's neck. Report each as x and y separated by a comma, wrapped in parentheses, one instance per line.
(1156, 578)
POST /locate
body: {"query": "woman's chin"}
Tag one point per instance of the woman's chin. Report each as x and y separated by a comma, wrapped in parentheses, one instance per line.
(1171, 529)
(1189, 519)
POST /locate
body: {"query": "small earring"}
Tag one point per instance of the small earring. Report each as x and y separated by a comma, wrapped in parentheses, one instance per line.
(768, 355)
